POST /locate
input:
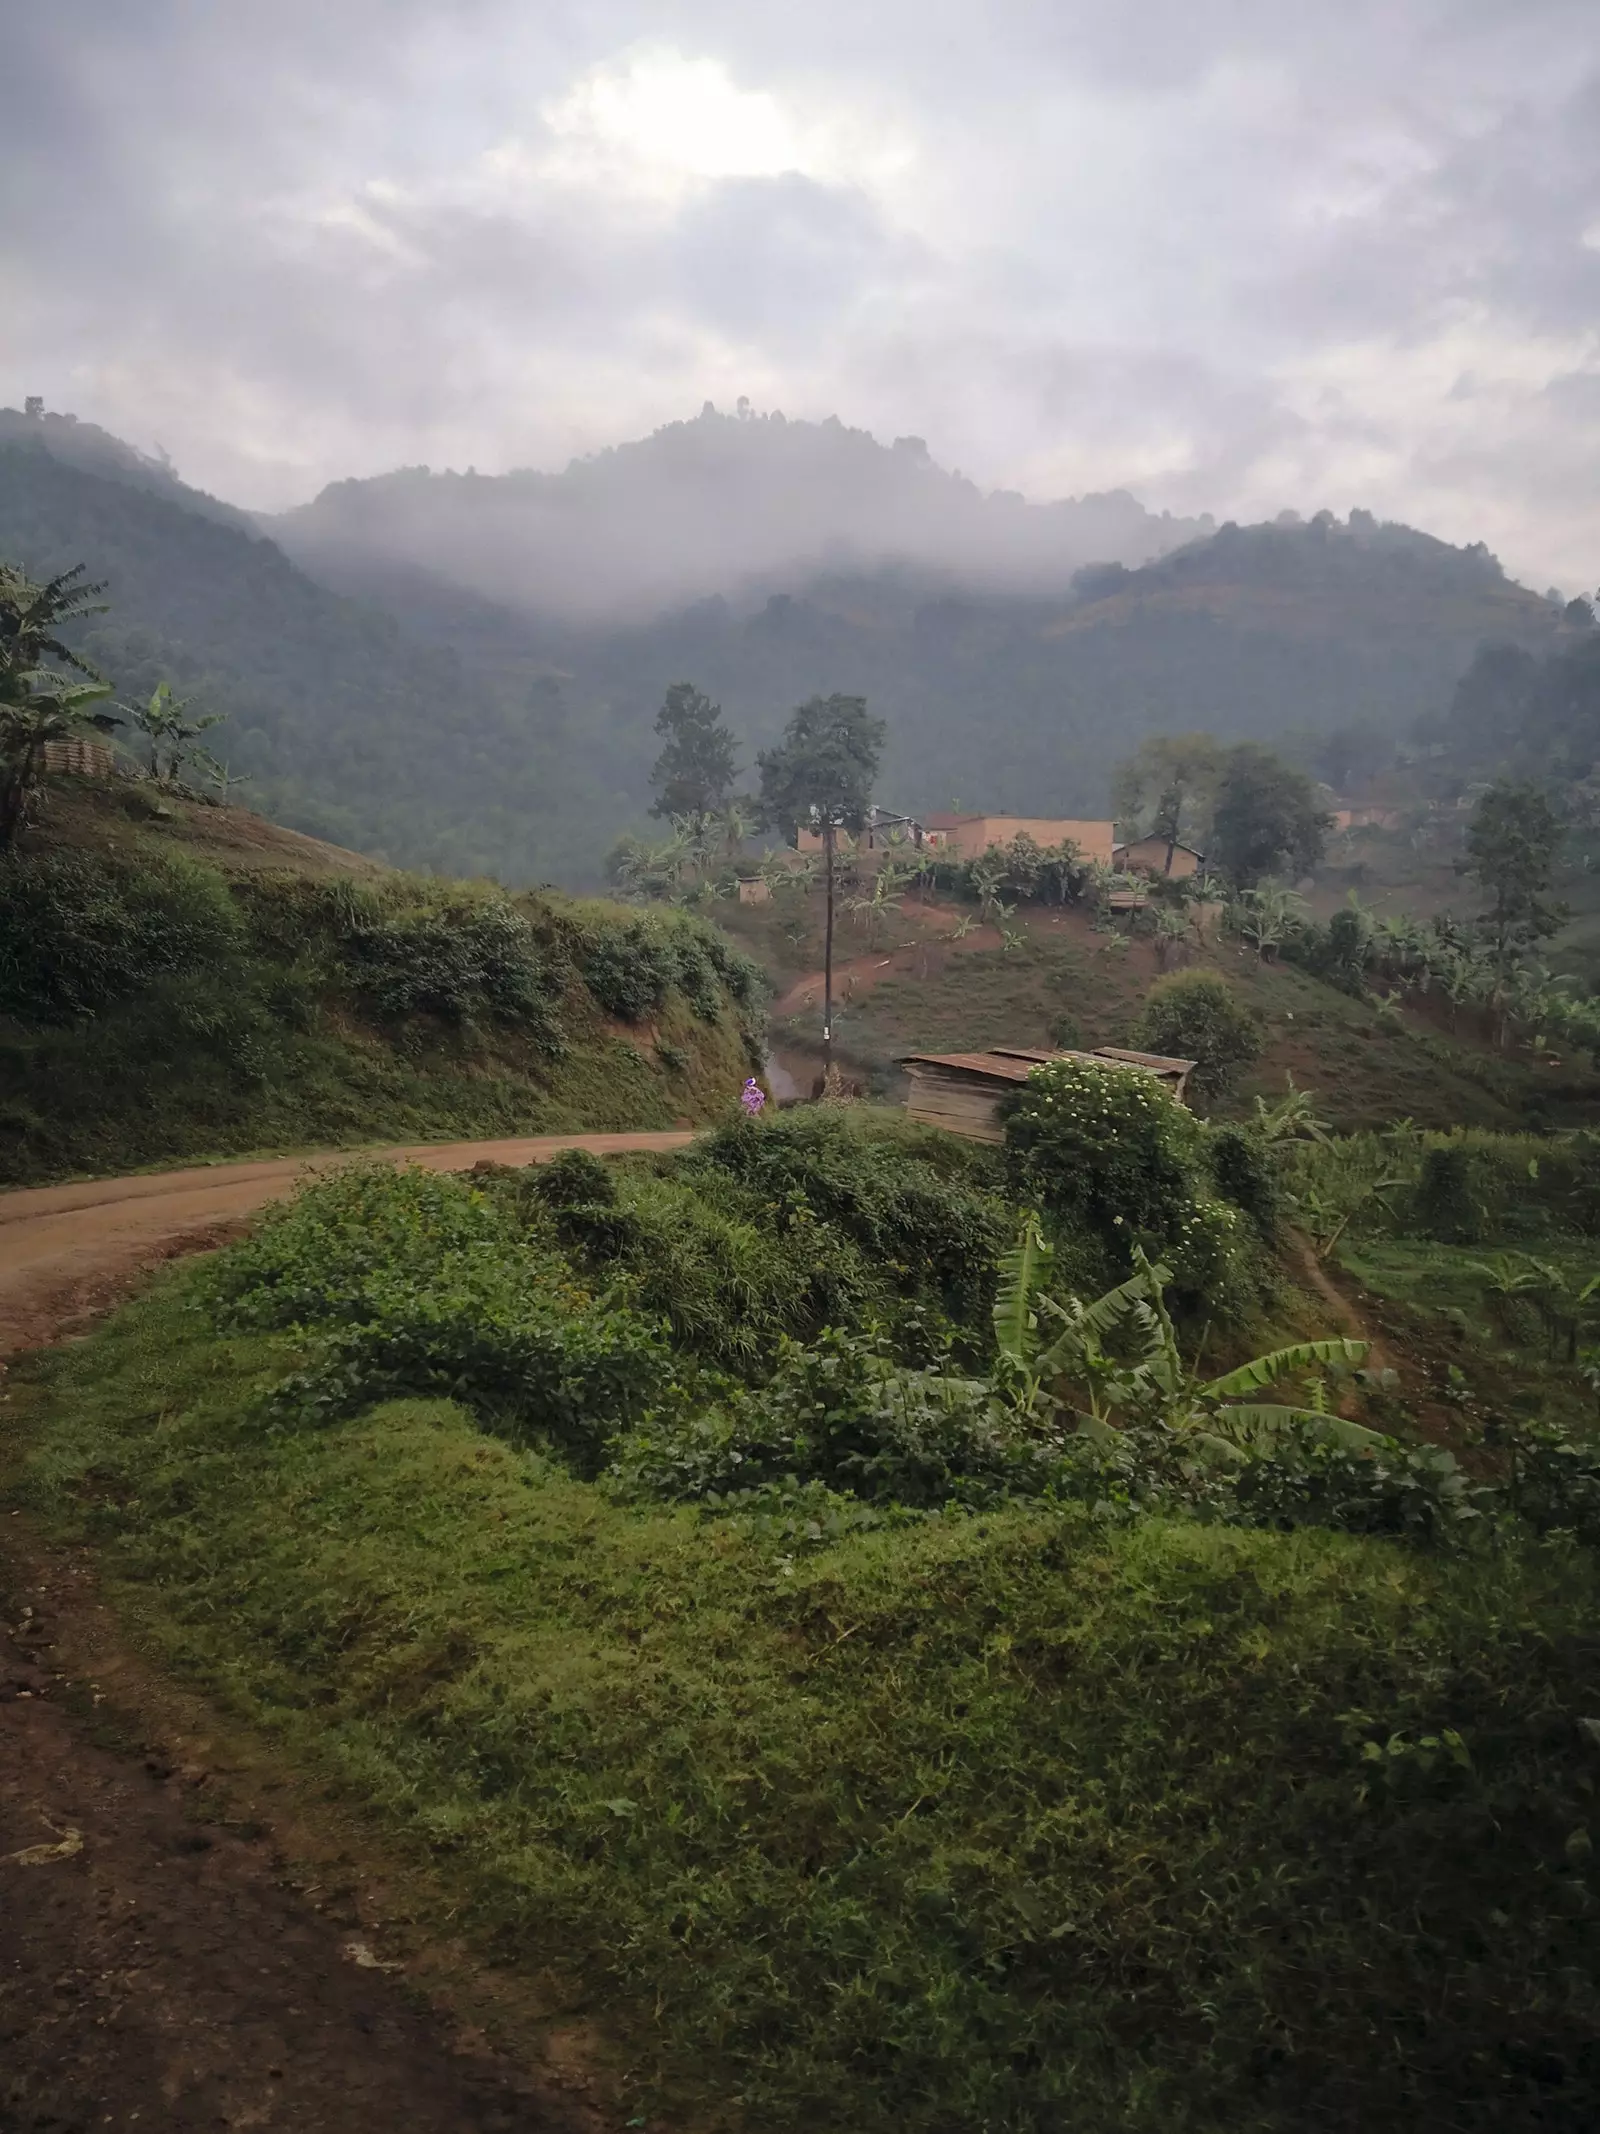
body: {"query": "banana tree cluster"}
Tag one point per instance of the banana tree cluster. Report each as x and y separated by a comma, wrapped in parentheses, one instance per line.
(1115, 1362)
(48, 691)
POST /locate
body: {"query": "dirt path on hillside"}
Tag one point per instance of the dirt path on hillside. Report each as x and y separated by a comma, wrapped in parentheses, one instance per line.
(66, 1252)
(164, 1969)
(855, 975)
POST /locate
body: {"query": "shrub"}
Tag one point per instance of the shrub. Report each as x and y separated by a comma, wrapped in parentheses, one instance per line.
(925, 1232)
(1242, 1165)
(845, 1414)
(574, 1178)
(420, 1284)
(79, 931)
(1337, 953)
(309, 1262)
(1113, 1160)
(630, 964)
(1446, 1205)
(1194, 1015)
(401, 949)
(536, 1359)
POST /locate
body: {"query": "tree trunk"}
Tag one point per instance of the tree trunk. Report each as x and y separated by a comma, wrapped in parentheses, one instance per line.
(827, 949)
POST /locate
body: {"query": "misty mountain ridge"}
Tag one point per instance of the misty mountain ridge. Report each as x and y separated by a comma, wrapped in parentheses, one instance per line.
(96, 451)
(394, 705)
(731, 505)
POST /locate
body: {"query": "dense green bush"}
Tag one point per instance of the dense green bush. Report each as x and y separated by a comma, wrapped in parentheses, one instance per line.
(1243, 1167)
(844, 1413)
(631, 964)
(1338, 953)
(1446, 1204)
(422, 1284)
(81, 930)
(1022, 870)
(1195, 1015)
(628, 967)
(1113, 1161)
(1467, 1187)
(920, 1213)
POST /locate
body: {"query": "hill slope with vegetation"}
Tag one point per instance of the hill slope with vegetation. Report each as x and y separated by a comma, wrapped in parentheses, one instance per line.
(436, 710)
(180, 979)
(770, 1598)
(347, 726)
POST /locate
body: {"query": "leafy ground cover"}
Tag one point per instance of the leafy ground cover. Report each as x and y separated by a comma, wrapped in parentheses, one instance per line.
(936, 1772)
(177, 980)
(978, 1822)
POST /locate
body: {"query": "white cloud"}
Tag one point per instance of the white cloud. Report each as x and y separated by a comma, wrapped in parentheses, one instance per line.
(1238, 255)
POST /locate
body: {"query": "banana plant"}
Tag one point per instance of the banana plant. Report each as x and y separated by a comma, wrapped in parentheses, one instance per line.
(1290, 1118)
(1155, 1386)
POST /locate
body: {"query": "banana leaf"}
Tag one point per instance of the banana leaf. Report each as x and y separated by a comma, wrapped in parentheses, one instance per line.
(1022, 1271)
(1278, 1363)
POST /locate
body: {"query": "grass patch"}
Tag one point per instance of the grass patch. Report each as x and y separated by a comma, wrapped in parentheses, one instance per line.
(1010, 1822)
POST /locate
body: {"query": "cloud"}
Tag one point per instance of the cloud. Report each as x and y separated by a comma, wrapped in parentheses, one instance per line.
(1234, 255)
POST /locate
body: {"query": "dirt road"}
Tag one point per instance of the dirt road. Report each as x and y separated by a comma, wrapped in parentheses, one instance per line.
(162, 1965)
(68, 1251)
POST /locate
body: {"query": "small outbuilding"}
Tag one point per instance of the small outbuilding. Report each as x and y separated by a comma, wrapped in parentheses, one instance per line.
(1154, 856)
(962, 1091)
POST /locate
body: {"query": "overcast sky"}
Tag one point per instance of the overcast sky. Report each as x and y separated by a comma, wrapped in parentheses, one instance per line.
(1235, 255)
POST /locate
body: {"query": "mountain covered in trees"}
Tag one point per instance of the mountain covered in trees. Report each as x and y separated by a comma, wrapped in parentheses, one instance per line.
(411, 704)
(723, 505)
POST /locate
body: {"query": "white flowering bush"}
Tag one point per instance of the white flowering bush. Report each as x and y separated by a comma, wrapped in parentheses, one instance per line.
(1114, 1161)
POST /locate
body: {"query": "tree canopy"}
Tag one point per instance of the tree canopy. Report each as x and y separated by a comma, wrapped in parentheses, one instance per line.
(821, 771)
(1165, 789)
(1512, 842)
(694, 773)
(1266, 817)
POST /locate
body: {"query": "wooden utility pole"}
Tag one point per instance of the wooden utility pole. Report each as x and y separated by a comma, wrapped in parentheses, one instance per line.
(827, 946)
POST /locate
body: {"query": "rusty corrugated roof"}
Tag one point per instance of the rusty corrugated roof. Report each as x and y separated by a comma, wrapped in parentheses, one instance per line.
(1014, 1063)
(984, 1066)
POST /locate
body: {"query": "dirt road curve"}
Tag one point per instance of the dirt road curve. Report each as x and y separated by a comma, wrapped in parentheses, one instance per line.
(68, 1251)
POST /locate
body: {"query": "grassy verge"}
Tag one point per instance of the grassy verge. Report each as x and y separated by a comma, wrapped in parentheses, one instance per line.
(1012, 1822)
(161, 1005)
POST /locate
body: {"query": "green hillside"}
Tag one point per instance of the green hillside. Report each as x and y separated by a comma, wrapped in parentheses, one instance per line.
(1060, 980)
(178, 980)
(347, 726)
(440, 711)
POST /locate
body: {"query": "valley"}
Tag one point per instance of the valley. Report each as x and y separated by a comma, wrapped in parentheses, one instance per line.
(569, 1564)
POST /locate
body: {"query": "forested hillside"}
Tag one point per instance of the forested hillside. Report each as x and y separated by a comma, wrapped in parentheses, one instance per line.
(725, 504)
(420, 713)
(348, 726)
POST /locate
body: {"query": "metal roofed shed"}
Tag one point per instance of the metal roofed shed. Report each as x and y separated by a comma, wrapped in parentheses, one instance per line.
(961, 1091)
